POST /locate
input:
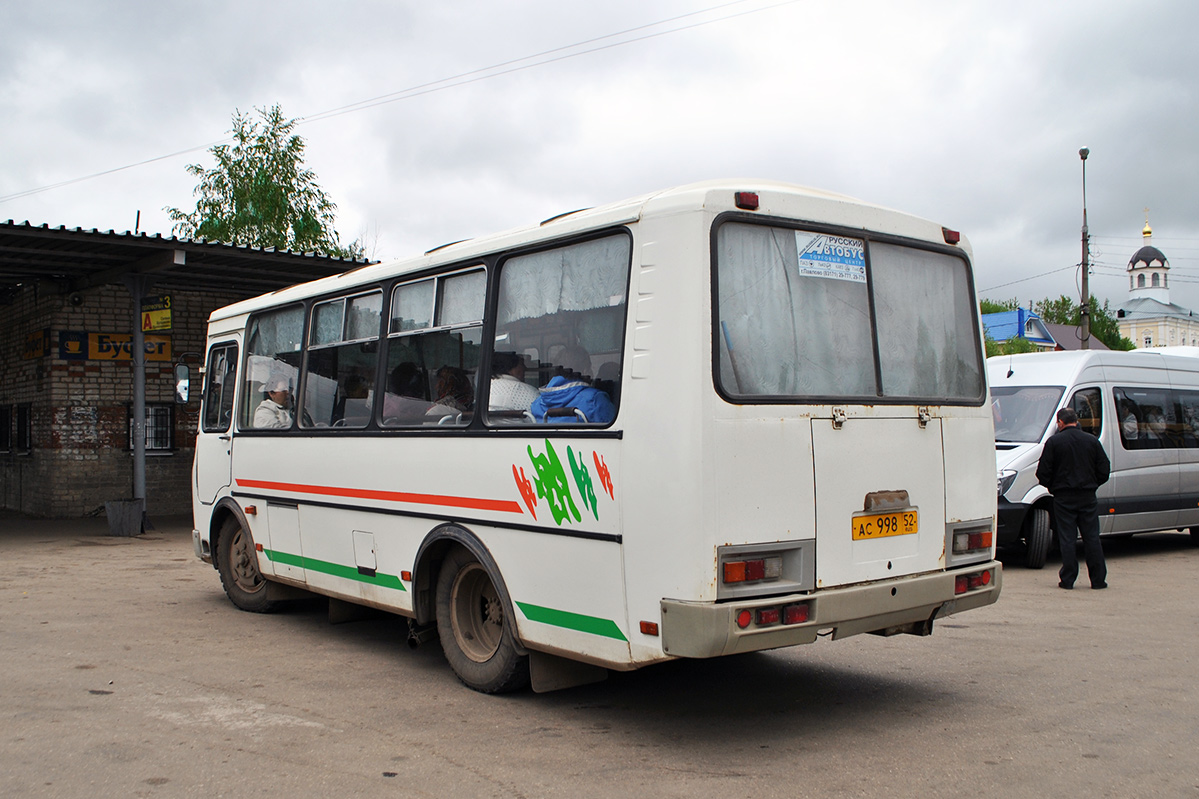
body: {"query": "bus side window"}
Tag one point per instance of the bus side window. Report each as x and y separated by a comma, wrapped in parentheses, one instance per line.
(434, 340)
(218, 389)
(567, 305)
(273, 343)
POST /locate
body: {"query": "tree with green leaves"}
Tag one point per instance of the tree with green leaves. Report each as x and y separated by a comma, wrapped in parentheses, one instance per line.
(993, 306)
(1064, 311)
(259, 194)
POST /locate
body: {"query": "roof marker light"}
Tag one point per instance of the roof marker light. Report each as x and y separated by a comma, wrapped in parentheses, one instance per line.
(951, 236)
(747, 200)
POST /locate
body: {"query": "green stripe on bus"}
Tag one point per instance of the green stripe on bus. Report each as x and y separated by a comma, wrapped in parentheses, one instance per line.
(335, 569)
(572, 621)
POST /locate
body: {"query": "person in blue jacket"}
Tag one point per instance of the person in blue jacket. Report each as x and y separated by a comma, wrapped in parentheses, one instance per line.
(571, 388)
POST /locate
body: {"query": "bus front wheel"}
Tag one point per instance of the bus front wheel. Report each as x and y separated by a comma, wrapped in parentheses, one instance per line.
(1039, 534)
(475, 633)
(237, 562)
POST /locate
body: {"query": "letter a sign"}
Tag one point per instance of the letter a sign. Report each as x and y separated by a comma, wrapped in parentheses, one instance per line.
(156, 313)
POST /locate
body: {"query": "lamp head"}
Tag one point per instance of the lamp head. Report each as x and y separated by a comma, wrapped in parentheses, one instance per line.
(1084, 152)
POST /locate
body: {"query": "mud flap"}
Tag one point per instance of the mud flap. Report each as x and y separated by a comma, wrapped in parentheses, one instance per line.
(551, 673)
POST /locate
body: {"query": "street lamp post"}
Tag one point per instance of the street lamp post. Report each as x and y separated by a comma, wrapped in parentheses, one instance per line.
(1084, 309)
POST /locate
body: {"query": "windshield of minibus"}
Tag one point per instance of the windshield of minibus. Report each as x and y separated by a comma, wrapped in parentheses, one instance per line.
(1022, 413)
(802, 314)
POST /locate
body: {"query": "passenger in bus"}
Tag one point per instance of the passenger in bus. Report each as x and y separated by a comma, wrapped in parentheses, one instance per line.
(353, 407)
(509, 391)
(453, 388)
(273, 410)
(406, 400)
(571, 388)
(1129, 425)
(1155, 428)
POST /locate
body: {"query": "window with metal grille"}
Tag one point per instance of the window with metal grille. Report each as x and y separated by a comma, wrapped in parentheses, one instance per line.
(23, 444)
(160, 427)
(5, 428)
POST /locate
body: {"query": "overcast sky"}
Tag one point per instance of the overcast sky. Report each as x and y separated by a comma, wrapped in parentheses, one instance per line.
(967, 113)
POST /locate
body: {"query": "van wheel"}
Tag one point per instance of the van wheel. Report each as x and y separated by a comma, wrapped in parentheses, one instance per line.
(1194, 535)
(237, 562)
(1037, 536)
(476, 635)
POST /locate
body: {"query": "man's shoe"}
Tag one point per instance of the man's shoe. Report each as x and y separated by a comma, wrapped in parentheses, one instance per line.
(1063, 585)
(1097, 586)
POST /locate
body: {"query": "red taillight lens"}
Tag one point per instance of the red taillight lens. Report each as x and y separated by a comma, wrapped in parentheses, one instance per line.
(744, 618)
(755, 569)
(970, 582)
(768, 616)
(795, 614)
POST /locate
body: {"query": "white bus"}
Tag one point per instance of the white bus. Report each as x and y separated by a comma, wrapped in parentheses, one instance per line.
(721, 418)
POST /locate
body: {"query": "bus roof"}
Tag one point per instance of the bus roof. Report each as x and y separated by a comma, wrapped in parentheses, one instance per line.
(717, 196)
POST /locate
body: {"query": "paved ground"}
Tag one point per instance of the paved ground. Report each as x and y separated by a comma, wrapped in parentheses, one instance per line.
(126, 672)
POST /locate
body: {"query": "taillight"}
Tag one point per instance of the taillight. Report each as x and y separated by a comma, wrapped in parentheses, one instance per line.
(971, 582)
(767, 616)
(969, 542)
(795, 614)
(752, 571)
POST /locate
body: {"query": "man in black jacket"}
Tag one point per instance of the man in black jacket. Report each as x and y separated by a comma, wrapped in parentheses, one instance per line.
(1073, 464)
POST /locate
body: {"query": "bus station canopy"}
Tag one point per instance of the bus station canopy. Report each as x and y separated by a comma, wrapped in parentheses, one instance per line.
(74, 259)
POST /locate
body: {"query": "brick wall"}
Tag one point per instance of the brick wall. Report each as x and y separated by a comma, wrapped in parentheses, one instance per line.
(80, 457)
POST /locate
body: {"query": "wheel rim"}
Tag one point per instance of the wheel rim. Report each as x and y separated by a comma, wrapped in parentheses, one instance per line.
(244, 563)
(476, 614)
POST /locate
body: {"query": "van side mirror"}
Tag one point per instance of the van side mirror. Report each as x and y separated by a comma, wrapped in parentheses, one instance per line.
(182, 384)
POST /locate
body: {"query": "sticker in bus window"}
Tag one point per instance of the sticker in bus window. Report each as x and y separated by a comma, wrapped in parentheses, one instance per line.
(834, 257)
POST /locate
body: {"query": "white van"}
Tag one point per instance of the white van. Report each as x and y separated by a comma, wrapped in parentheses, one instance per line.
(1143, 406)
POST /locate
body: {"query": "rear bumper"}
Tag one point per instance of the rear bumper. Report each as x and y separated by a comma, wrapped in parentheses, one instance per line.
(907, 604)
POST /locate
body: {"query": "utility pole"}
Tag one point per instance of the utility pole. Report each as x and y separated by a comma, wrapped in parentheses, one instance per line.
(1084, 307)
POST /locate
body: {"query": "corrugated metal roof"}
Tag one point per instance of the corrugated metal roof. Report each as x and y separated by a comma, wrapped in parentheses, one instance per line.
(74, 259)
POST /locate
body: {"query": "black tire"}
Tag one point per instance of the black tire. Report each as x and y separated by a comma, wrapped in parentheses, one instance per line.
(1194, 535)
(476, 634)
(237, 562)
(1038, 536)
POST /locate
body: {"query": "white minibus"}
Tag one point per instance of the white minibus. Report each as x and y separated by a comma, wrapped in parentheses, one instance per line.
(1143, 406)
(726, 417)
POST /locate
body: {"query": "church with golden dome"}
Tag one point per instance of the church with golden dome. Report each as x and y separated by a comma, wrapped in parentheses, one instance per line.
(1147, 317)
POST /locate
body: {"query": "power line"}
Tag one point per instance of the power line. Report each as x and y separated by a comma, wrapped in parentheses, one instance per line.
(1026, 279)
(462, 79)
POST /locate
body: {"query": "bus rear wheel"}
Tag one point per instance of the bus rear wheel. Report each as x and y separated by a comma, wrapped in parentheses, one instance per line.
(237, 562)
(475, 633)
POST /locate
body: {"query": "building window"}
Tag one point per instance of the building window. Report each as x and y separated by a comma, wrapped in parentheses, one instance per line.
(1148, 339)
(1157, 280)
(5, 428)
(160, 427)
(1140, 281)
(23, 443)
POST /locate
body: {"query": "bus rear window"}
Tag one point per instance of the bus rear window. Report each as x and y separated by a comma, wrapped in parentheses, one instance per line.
(808, 315)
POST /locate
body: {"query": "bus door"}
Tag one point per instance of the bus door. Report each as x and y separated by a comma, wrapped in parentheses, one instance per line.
(880, 498)
(214, 444)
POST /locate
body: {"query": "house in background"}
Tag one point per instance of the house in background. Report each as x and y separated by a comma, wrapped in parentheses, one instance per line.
(1019, 323)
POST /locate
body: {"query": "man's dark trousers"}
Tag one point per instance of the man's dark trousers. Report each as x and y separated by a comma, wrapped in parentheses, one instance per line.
(1077, 513)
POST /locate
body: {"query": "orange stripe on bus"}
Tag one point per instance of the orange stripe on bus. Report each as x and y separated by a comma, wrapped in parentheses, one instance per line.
(501, 505)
